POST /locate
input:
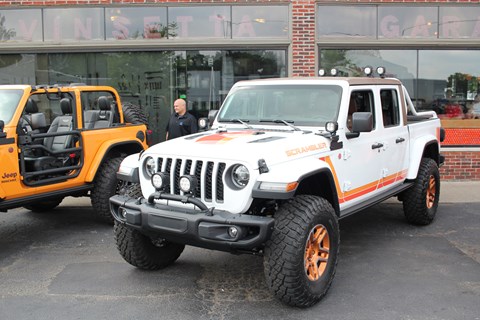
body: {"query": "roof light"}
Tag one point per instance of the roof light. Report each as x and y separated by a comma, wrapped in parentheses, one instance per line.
(368, 71)
(381, 71)
(321, 72)
(333, 72)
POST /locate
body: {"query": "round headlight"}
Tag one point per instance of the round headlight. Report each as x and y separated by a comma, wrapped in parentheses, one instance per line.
(240, 175)
(160, 180)
(187, 183)
(149, 166)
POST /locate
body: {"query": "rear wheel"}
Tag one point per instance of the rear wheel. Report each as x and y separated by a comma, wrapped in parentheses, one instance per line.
(105, 186)
(301, 255)
(420, 202)
(144, 252)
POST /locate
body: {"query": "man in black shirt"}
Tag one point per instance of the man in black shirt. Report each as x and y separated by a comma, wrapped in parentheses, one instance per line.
(181, 122)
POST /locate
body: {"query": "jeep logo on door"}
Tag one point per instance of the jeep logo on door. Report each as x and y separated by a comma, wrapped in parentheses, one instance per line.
(9, 177)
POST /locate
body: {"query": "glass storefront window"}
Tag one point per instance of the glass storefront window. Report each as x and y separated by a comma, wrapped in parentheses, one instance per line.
(459, 22)
(407, 22)
(152, 80)
(73, 24)
(137, 23)
(23, 25)
(446, 81)
(449, 83)
(347, 21)
(260, 21)
(194, 22)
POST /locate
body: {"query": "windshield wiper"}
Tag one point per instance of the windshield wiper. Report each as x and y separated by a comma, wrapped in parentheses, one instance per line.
(244, 122)
(286, 122)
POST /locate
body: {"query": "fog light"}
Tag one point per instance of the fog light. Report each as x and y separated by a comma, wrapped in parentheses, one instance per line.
(233, 232)
(187, 183)
(123, 212)
(160, 180)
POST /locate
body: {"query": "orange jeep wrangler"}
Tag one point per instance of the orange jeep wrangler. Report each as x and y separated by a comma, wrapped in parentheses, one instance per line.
(65, 140)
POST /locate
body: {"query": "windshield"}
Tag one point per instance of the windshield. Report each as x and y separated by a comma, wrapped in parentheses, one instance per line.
(8, 103)
(302, 105)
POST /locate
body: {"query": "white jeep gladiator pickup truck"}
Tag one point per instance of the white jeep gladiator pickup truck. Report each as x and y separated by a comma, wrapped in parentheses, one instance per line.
(283, 161)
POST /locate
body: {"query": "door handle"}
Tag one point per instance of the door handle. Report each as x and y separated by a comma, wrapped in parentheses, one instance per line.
(377, 145)
(399, 140)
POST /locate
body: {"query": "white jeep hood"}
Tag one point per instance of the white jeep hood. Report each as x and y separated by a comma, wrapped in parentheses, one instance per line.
(243, 145)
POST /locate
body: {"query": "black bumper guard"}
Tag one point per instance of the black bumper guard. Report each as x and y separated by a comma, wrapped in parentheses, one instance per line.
(206, 228)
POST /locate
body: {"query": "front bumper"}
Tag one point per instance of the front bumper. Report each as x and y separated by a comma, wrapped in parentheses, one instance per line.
(201, 228)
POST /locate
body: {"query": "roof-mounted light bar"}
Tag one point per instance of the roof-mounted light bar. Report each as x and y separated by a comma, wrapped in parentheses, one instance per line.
(322, 72)
(368, 71)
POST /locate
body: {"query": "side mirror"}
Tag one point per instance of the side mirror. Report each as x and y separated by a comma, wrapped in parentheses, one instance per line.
(362, 122)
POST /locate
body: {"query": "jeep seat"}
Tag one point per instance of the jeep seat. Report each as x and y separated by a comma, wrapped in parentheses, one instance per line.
(105, 116)
(35, 120)
(60, 124)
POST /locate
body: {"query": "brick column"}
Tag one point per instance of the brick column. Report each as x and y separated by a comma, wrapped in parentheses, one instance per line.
(303, 38)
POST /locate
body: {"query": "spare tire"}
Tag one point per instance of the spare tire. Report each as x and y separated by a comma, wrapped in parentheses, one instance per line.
(133, 114)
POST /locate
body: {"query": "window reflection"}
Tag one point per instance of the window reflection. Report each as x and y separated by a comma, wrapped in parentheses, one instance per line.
(458, 22)
(347, 21)
(137, 23)
(446, 81)
(23, 25)
(192, 22)
(451, 82)
(407, 22)
(260, 21)
(73, 24)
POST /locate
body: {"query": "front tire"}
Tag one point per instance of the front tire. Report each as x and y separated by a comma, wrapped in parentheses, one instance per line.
(420, 202)
(301, 256)
(144, 252)
(105, 186)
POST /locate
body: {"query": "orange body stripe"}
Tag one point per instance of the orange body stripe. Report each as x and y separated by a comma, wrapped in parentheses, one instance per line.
(365, 189)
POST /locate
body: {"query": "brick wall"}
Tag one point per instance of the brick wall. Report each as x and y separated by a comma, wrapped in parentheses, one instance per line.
(461, 165)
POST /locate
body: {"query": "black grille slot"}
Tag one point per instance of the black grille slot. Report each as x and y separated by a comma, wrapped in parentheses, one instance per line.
(178, 164)
(208, 181)
(219, 185)
(198, 172)
(188, 166)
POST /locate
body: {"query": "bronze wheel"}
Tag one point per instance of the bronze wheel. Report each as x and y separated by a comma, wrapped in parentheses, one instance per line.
(431, 192)
(420, 201)
(317, 251)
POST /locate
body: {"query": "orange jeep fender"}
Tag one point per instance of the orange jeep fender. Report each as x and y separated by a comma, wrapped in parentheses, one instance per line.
(105, 149)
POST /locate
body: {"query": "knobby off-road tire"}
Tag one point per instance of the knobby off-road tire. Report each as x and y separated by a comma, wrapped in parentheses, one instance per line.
(43, 206)
(420, 202)
(133, 114)
(301, 256)
(143, 252)
(105, 186)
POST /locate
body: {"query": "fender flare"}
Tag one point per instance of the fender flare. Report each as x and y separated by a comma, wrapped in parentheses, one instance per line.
(104, 149)
(417, 151)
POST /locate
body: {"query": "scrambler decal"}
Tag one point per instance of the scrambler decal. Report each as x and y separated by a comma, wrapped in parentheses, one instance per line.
(312, 147)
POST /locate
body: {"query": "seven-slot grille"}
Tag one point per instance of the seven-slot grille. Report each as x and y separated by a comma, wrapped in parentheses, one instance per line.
(209, 176)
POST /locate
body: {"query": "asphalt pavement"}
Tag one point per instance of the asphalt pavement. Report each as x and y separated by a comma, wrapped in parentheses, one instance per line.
(64, 265)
